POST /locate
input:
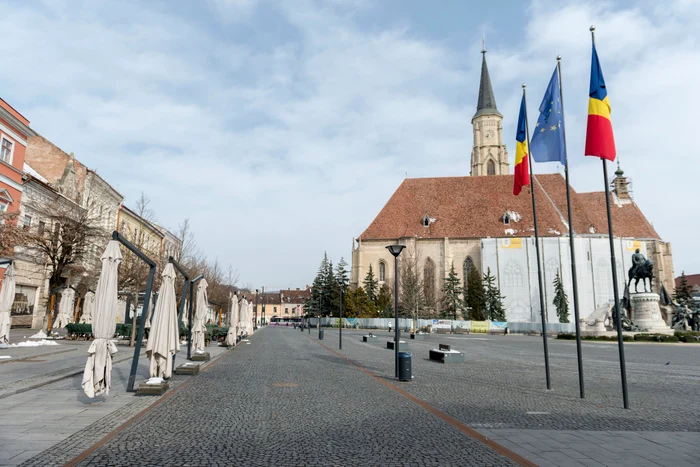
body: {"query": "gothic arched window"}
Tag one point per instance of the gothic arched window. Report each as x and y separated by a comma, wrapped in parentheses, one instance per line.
(491, 168)
(429, 281)
(382, 271)
(466, 269)
(513, 275)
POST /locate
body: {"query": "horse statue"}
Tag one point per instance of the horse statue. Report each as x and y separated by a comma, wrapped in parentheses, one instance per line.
(643, 269)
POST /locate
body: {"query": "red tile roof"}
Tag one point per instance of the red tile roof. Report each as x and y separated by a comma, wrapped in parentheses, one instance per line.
(473, 207)
(693, 280)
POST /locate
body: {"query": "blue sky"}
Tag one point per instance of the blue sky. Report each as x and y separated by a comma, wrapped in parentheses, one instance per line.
(280, 128)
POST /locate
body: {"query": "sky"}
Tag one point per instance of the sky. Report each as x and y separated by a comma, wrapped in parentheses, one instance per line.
(281, 128)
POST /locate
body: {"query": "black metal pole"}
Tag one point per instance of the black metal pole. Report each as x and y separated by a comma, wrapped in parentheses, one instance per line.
(142, 327)
(537, 251)
(397, 333)
(616, 294)
(189, 321)
(340, 328)
(574, 281)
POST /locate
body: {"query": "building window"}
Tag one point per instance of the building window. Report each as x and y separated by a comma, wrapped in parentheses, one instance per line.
(27, 222)
(491, 168)
(6, 150)
(3, 207)
(506, 219)
(513, 275)
(41, 228)
(382, 271)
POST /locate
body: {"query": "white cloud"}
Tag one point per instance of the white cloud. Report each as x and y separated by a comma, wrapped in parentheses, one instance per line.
(279, 152)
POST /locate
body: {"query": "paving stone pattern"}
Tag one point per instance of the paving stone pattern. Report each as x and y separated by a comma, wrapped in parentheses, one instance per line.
(284, 400)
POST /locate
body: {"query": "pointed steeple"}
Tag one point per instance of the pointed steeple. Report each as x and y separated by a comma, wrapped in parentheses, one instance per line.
(486, 105)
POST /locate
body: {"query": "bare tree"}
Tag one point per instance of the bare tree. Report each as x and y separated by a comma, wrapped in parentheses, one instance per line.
(10, 233)
(411, 290)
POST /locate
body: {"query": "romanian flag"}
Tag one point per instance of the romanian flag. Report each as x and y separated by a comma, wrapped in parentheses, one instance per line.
(522, 174)
(599, 134)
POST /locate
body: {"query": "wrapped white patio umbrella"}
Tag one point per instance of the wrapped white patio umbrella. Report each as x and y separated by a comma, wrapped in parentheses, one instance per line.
(163, 340)
(7, 297)
(244, 317)
(88, 308)
(65, 308)
(98, 369)
(233, 323)
(200, 314)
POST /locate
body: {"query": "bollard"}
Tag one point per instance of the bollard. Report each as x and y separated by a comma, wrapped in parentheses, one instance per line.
(320, 334)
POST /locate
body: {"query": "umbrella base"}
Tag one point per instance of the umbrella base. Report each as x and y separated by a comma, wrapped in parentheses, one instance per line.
(152, 389)
(200, 357)
(187, 369)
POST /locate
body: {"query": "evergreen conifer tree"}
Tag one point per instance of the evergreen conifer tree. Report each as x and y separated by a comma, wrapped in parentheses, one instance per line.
(451, 299)
(494, 310)
(331, 294)
(684, 292)
(341, 272)
(561, 301)
(385, 302)
(371, 285)
(476, 302)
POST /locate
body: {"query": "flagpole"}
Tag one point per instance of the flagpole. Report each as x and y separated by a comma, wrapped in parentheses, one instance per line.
(574, 281)
(537, 249)
(616, 294)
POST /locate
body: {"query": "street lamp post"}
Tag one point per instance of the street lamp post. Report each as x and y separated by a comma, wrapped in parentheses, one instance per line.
(340, 327)
(262, 318)
(396, 250)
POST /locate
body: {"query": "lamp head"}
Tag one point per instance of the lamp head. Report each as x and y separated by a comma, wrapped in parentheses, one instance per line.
(395, 249)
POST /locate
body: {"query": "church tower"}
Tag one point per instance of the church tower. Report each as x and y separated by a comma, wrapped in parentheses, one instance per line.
(489, 156)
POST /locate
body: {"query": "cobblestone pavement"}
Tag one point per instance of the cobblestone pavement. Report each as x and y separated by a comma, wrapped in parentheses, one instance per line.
(286, 401)
(500, 391)
(55, 422)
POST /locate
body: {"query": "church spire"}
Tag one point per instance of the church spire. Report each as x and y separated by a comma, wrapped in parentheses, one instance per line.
(486, 105)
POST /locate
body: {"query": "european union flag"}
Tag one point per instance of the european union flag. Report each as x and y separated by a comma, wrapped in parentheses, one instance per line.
(547, 144)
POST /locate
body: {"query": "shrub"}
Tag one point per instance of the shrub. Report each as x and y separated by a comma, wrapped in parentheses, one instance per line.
(655, 338)
(571, 336)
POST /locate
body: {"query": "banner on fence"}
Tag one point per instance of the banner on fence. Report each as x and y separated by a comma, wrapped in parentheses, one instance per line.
(350, 322)
(480, 326)
(498, 325)
(444, 324)
(463, 325)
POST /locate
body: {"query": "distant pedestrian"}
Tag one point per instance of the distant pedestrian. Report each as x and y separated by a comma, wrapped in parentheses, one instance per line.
(389, 326)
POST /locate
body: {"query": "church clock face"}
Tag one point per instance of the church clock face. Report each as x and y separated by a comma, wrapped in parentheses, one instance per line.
(489, 134)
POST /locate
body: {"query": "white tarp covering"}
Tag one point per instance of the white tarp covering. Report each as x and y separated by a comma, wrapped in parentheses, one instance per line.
(198, 328)
(98, 369)
(7, 297)
(88, 308)
(233, 323)
(163, 340)
(65, 308)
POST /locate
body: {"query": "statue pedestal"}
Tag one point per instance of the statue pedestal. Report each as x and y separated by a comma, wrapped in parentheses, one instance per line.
(646, 313)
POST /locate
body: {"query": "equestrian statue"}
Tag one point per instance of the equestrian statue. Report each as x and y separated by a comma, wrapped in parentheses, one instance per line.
(643, 269)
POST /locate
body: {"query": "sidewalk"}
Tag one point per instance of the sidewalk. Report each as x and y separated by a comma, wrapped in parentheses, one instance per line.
(42, 401)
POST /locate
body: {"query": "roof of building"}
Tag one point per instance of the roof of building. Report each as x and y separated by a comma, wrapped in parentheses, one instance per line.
(693, 280)
(295, 296)
(486, 103)
(475, 207)
(141, 220)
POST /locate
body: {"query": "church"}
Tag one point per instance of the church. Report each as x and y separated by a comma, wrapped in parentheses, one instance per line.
(475, 222)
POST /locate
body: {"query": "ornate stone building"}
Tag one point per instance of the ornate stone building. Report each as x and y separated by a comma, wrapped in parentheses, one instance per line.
(476, 222)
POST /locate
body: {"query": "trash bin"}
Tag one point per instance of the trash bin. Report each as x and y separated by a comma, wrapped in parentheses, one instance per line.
(405, 366)
(320, 334)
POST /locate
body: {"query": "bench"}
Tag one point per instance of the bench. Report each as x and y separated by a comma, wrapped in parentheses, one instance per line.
(445, 354)
(497, 331)
(369, 336)
(402, 345)
(418, 336)
(460, 330)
